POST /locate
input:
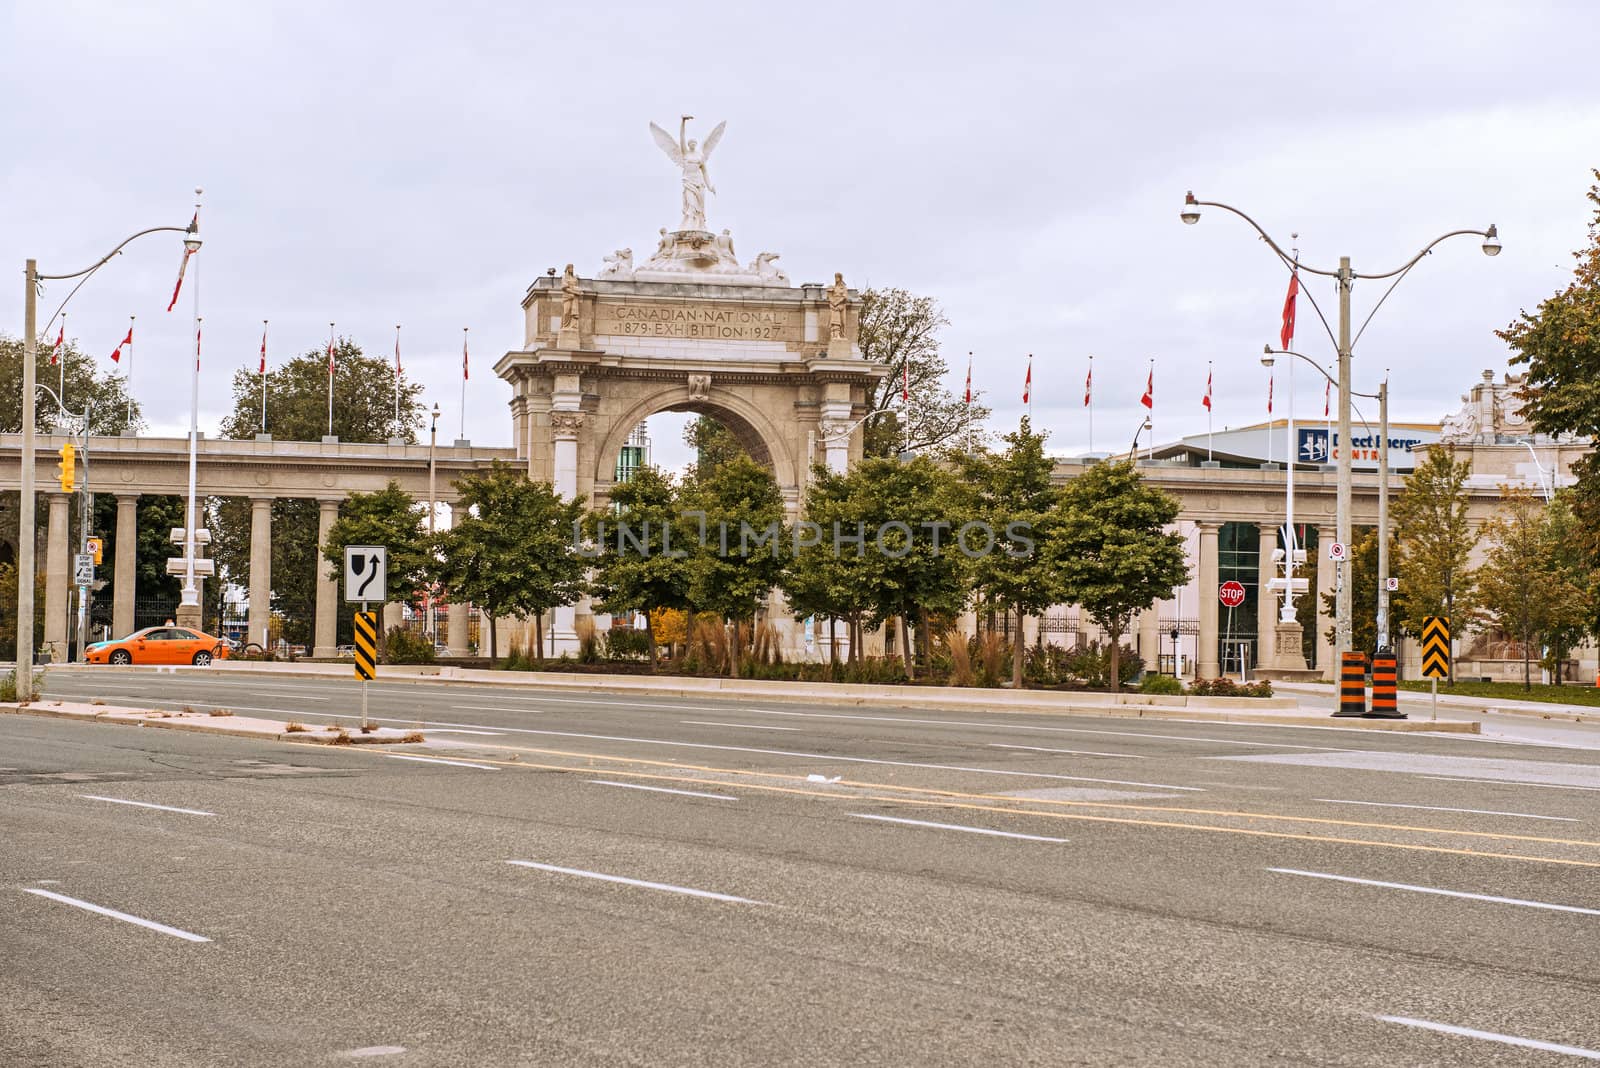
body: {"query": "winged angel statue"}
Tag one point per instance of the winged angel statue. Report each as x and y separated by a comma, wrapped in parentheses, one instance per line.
(692, 159)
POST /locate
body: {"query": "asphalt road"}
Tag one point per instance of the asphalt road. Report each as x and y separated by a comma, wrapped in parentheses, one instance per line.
(574, 878)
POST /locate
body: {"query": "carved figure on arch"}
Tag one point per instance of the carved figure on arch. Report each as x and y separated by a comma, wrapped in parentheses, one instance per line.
(765, 268)
(619, 264)
(570, 292)
(724, 245)
(699, 387)
(838, 306)
(691, 159)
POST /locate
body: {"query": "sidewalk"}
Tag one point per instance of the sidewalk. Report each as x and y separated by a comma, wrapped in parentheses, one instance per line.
(1279, 711)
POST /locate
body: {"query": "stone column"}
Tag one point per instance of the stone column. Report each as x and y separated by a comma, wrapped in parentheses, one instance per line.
(260, 570)
(57, 579)
(394, 615)
(1326, 536)
(1206, 665)
(124, 587)
(834, 428)
(1150, 637)
(565, 423)
(1266, 603)
(456, 630)
(327, 628)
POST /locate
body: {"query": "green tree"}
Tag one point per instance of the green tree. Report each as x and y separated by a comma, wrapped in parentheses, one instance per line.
(900, 331)
(105, 391)
(1361, 572)
(638, 568)
(910, 513)
(740, 558)
(1573, 565)
(297, 410)
(714, 445)
(821, 580)
(1432, 544)
(511, 549)
(392, 518)
(1013, 494)
(1522, 589)
(1108, 543)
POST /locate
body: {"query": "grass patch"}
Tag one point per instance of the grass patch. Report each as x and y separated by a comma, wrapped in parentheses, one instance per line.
(1570, 694)
(414, 736)
(342, 738)
(220, 712)
(97, 701)
(294, 726)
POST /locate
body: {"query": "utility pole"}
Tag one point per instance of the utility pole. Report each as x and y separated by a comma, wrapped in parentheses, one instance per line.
(25, 511)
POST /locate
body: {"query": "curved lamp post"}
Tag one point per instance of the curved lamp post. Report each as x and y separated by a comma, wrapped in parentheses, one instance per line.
(30, 352)
(1344, 278)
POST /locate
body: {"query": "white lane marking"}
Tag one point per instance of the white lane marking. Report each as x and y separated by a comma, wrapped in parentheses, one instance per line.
(187, 936)
(1441, 893)
(462, 730)
(661, 790)
(668, 887)
(845, 759)
(1077, 752)
(956, 827)
(1513, 782)
(439, 760)
(1049, 730)
(147, 804)
(746, 726)
(592, 704)
(375, 1051)
(1437, 808)
(1491, 1036)
(283, 693)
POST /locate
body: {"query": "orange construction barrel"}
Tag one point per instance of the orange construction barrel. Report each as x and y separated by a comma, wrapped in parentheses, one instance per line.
(1352, 685)
(1385, 692)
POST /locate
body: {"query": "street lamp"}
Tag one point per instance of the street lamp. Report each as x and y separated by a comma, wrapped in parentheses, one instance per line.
(26, 508)
(1382, 397)
(433, 439)
(190, 598)
(1344, 279)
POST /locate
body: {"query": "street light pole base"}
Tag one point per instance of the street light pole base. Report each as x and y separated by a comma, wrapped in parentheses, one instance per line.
(188, 615)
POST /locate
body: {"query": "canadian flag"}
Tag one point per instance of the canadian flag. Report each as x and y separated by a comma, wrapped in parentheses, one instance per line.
(1327, 388)
(905, 382)
(1027, 382)
(1286, 335)
(1269, 394)
(330, 358)
(263, 350)
(464, 375)
(183, 264)
(1088, 386)
(1206, 400)
(397, 352)
(116, 353)
(969, 378)
(55, 350)
(1149, 398)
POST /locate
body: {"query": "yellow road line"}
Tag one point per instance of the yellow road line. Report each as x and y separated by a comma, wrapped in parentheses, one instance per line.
(946, 799)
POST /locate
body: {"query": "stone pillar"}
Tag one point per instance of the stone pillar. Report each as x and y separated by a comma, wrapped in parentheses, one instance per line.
(394, 615)
(834, 427)
(1206, 665)
(456, 630)
(327, 628)
(1326, 536)
(260, 570)
(124, 587)
(1266, 603)
(1150, 637)
(565, 423)
(57, 579)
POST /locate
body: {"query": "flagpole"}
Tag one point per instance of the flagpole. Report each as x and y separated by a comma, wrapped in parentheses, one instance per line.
(330, 380)
(1209, 406)
(397, 379)
(263, 376)
(61, 366)
(130, 374)
(1088, 400)
(463, 435)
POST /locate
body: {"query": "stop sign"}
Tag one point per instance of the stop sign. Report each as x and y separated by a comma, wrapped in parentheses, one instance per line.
(1231, 593)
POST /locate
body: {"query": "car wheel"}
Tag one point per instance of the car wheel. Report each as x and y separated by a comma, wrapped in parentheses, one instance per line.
(121, 656)
(202, 658)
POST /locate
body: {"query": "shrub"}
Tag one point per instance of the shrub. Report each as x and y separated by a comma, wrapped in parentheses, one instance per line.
(960, 654)
(588, 640)
(1160, 684)
(1226, 687)
(993, 654)
(403, 647)
(8, 684)
(1092, 664)
(293, 727)
(626, 643)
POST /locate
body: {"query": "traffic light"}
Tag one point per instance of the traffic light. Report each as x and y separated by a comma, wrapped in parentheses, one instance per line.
(68, 473)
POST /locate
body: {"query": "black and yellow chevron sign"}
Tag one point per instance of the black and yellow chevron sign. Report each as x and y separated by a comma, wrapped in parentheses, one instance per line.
(366, 645)
(1436, 647)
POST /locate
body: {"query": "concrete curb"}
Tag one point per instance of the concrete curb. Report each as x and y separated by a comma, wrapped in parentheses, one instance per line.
(1482, 706)
(200, 726)
(1271, 711)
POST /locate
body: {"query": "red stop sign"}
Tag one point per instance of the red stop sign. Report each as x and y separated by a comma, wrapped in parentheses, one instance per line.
(1231, 593)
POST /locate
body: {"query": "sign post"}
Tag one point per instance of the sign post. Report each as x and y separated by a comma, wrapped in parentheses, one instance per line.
(366, 570)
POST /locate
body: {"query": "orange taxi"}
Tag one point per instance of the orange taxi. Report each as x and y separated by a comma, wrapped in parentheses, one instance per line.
(159, 645)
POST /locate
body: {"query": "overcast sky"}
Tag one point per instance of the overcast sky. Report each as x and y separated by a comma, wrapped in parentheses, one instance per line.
(374, 164)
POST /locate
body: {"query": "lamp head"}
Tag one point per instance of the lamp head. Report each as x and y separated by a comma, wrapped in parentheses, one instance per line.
(1191, 209)
(1491, 241)
(1267, 358)
(191, 238)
